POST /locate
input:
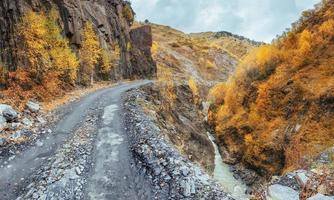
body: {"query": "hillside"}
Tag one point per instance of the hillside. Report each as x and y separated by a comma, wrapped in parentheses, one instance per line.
(188, 65)
(275, 114)
(206, 58)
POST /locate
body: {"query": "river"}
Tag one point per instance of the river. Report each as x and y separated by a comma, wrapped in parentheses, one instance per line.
(225, 177)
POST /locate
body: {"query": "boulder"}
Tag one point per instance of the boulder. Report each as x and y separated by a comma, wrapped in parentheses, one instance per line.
(41, 120)
(16, 135)
(142, 37)
(21, 133)
(280, 192)
(301, 178)
(188, 187)
(290, 180)
(32, 106)
(3, 123)
(3, 141)
(8, 112)
(27, 122)
(320, 197)
(4, 107)
(15, 126)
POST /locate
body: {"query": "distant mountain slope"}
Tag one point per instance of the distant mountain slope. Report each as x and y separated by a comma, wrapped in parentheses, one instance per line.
(236, 45)
(206, 58)
(276, 112)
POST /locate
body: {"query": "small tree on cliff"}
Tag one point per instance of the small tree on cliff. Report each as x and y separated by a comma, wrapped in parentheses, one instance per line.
(89, 53)
(45, 49)
(128, 13)
(63, 59)
(33, 31)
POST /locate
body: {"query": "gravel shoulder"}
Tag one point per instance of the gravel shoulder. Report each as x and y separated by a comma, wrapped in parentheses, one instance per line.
(172, 175)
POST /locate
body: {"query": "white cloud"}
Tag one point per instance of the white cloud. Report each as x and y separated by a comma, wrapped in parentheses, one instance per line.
(257, 19)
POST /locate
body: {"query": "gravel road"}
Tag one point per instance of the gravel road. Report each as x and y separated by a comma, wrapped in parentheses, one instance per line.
(85, 156)
(103, 147)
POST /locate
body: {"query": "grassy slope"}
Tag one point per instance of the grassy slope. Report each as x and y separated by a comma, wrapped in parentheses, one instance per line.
(201, 57)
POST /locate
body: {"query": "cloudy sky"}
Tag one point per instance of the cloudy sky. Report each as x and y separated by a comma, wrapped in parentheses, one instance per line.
(260, 20)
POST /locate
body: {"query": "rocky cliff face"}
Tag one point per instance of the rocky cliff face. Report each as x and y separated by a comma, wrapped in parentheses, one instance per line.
(108, 16)
(141, 48)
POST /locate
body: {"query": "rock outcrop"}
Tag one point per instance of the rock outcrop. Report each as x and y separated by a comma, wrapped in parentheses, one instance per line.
(108, 17)
(183, 124)
(316, 183)
(141, 48)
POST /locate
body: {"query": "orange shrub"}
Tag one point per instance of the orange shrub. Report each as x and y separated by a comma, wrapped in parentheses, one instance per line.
(165, 79)
(327, 28)
(193, 86)
(216, 94)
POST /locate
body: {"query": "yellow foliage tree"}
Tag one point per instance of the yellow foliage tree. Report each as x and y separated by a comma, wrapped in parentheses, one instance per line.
(216, 94)
(128, 13)
(263, 55)
(305, 42)
(64, 61)
(106, 62)
(45, 48)
(33, 31)
(108, 58)
(327, 28)
(155, 48)
(209, 64)
(89, 53)
(193, 86)
(165, 78)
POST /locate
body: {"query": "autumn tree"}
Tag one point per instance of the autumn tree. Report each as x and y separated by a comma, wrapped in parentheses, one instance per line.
(33, 31)
(3, 75)
(63, 59)
(48, 61)
(128, 13)
(89, 53)
(109, 58)
(45, 49)
(155, 48)
(194, 89)
(165, 79)
(106, 59)
(327, 28)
